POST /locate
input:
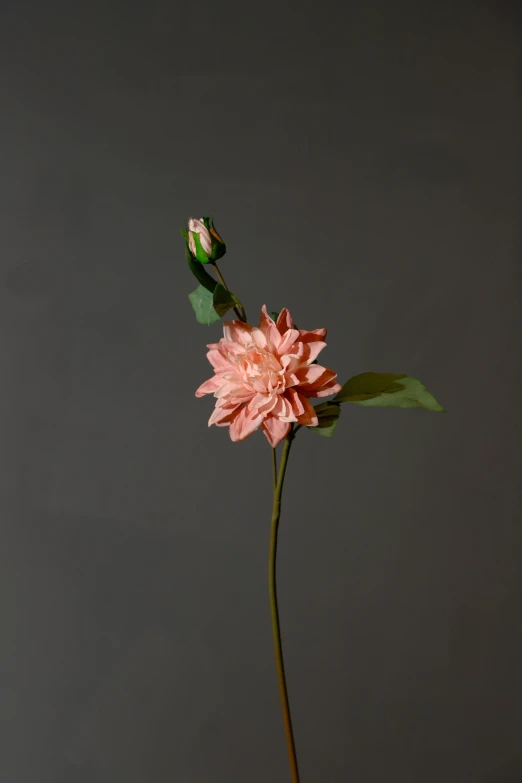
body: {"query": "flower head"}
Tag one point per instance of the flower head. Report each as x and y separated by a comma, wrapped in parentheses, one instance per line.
(265, 375)
(204, 242)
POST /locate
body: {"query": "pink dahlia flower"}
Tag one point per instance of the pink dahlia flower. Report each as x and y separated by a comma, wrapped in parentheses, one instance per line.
(263, 377)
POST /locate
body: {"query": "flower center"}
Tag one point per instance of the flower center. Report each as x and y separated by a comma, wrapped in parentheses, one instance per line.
(257, 365)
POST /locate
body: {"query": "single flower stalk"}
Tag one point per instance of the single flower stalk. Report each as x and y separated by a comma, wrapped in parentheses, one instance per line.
(264, 377)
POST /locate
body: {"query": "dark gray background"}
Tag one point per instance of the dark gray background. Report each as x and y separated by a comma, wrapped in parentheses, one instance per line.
(364, 164)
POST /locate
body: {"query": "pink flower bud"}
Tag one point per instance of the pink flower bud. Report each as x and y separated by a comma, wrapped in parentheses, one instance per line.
(198, 227)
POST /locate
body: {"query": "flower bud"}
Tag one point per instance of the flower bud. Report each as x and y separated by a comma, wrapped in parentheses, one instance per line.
(204, 242)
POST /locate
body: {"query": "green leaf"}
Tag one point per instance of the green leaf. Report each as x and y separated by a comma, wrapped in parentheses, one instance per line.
(369, 384)
(202, 301)
(211, 305)
(326, 432)
(328, 415)
(183, 233)
(199, 271)
(385, 390)
(224, 300)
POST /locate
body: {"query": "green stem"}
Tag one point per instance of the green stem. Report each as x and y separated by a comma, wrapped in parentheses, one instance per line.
(241, 315)
(274, 467)
(276, 513)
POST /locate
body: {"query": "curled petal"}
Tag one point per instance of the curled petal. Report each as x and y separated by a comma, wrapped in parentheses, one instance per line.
(317, 381)
(275, 430)
(290, 379)
(325, 391)
(284, 321)
(268, 327)
(313, 350)
(238, 332)
(258, 338)
(310, 337)
(264, 402)
(237, 380)
(232, 392)
(209, 387)
(308, 418)
(292, 361)
(221, 417)
(260, 385)
(302, 408)
(313, 374)
(283, 409)
(227, 347)
(218, 361)
(289, 338)
(295, 401)
(245, 423)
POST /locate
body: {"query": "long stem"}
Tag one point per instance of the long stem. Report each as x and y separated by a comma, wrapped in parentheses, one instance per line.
(241, 315)
(276, 513)
(274, 468)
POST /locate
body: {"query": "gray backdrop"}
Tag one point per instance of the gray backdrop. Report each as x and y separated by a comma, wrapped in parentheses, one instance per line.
(364, 164)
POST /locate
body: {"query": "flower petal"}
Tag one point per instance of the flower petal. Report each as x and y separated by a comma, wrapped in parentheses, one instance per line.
(313, 374)
(290, 379)
(233, 392)
(291, 361)
(237, 332)
(258, 338)
(210, 386)
(218, 361)
(283, 409)
(302, 408)
(275, 430)
(269, 329)
(310, 337)
(313, 350)
(204, 236)
(325, 391)
(309, 417)
(295, 401)
(245, 423)
(264, 402)
(284, 321)
(224, 415)
(289, 338)
(226, 347)
(317, 381)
